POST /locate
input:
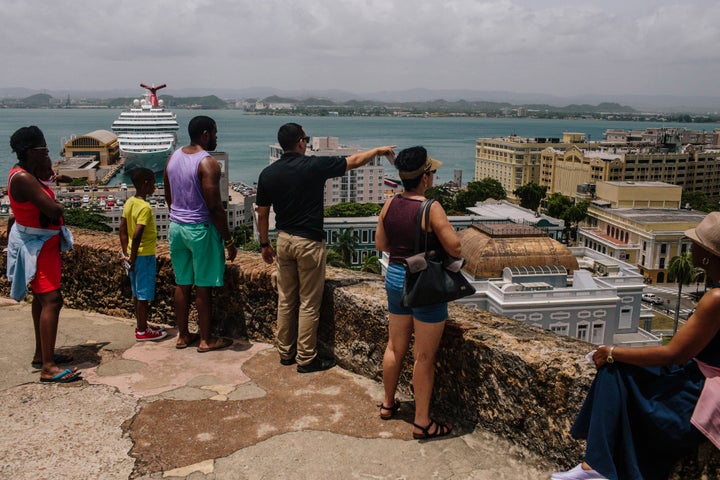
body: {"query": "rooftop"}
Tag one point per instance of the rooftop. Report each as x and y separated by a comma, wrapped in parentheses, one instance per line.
(659, 215)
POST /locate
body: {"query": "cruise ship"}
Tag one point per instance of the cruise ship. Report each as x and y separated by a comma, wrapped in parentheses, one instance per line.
(147, 133)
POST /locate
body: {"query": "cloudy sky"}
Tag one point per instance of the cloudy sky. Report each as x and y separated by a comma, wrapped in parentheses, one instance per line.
(561, 47)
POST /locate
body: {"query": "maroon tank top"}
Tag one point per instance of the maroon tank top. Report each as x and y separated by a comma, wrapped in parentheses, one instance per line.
(399, 222)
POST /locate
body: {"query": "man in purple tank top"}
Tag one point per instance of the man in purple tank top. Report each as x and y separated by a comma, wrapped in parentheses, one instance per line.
(198, 231)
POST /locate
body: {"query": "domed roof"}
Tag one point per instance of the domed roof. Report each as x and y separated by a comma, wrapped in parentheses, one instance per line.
(488, 248)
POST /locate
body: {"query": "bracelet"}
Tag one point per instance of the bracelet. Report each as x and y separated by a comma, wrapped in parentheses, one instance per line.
(229, 243)
(264, 244)
(610, 358)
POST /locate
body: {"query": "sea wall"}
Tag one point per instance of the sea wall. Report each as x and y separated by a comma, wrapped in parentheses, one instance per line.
(518, 381)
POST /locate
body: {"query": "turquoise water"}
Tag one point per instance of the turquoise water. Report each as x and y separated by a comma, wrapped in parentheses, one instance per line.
(246, 137)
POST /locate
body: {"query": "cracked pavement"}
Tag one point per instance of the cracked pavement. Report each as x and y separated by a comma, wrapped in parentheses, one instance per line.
(148, 410)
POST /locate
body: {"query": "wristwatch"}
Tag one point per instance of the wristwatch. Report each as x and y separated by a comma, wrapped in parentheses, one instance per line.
(610, 358)
(264, 244)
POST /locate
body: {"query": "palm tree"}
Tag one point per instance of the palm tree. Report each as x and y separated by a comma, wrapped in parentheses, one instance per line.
(681, 269)
(371, 265)
(345, 245)
(335, 260)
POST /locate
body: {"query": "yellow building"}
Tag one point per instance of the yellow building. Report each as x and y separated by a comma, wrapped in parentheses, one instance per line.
(562, 170)
(639, 223)
(101, 144)
(515, 161)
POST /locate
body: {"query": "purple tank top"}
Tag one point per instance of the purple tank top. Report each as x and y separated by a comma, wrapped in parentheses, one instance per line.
(399, 222)
(188, 204)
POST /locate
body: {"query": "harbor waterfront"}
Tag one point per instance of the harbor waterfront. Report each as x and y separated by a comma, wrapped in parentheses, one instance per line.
(246, 138)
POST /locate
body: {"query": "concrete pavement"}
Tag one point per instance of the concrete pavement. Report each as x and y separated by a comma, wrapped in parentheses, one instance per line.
(148, 410)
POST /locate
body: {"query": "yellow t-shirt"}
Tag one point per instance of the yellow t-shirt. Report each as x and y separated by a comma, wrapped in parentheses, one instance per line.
(138, 212)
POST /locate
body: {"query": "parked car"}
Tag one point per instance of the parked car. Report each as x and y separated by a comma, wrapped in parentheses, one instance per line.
(652, 298)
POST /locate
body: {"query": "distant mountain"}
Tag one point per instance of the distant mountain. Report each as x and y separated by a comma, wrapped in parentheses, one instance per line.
(642, 103)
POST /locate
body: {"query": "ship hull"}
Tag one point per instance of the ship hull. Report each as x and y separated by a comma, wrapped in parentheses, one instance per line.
(155, 161)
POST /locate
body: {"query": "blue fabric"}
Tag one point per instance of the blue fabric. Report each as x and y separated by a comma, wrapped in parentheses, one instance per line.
(24, 245)
(637, 420)
(142, 277)
(394, 279)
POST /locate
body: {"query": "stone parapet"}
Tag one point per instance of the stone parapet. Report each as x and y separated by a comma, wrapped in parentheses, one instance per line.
(510, 378)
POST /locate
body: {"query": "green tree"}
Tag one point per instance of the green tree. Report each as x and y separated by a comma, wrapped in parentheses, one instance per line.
(243, 236)
(697, 200)
(442, 195)
(479, 192)
(345, 245)
(89, 218)
(573, 216)
(352, 209)
(78, 182)
(530, 195)
(557, 204)
(335, 260)
(682, 270)
(372, 265)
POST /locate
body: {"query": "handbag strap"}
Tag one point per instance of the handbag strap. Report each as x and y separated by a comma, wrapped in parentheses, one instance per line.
(424, 211)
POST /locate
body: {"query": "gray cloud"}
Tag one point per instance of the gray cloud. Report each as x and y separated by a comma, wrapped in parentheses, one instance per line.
(555, 46)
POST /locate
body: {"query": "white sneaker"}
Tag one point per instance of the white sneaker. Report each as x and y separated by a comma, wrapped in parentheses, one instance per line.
(577, 473)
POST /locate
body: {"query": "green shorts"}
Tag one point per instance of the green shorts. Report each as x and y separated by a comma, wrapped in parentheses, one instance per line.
(197, 254)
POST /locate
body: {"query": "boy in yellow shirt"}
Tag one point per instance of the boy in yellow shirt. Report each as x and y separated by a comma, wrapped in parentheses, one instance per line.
(138, 236)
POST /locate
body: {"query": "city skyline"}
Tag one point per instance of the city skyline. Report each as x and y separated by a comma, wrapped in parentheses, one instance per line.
(555, 47)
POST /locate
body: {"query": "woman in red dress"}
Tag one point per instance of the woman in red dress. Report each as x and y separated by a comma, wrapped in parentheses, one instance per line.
(37, 216)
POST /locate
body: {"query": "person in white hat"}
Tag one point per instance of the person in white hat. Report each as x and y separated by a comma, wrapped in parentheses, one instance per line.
(649, 406)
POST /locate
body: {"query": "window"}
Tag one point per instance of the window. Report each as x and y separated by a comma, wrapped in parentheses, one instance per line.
(625, 317)
(559, 328)
(582, 332)
(598, 333)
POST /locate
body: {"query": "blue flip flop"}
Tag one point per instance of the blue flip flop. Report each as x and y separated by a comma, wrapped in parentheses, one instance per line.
(58, 358)
(62, 377)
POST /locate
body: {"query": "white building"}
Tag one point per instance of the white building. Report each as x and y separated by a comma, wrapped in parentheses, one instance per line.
(502, 210)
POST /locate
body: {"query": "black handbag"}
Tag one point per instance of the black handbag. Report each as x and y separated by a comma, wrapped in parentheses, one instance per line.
(432, 277)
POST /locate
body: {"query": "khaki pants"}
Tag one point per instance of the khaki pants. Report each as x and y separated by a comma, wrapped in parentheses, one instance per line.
(300, 282)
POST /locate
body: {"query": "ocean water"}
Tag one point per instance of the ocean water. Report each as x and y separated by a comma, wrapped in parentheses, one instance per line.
(247, 137)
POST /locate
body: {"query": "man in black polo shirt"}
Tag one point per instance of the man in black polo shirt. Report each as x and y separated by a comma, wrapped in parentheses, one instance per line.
(294, 186)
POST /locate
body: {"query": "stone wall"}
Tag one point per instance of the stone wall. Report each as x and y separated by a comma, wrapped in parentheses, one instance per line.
(518, 381)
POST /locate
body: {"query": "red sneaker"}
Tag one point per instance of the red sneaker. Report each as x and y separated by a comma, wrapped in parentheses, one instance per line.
(150, 334)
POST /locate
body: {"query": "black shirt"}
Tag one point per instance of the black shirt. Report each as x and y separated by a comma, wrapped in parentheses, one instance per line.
(294, 186)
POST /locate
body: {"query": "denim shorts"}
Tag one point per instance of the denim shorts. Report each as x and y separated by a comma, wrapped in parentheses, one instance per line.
(394, 279)
(142, 278)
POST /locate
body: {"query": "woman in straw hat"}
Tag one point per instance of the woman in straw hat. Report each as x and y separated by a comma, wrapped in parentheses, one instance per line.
(649, 406)
(396, 234)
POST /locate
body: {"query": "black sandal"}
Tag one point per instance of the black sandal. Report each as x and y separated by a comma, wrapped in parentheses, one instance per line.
(440, 430)
(393, 410)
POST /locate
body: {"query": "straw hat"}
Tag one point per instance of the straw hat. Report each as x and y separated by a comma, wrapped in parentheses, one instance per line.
(429, 165)
(707, 233)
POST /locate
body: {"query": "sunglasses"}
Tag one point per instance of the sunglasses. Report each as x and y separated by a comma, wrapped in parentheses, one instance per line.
(41, 149)
(307, 139)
